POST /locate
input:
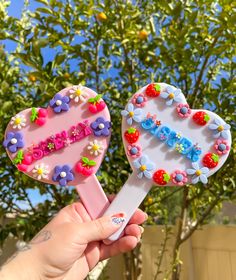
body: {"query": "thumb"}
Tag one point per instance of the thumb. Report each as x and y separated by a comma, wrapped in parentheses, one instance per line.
(101, 228)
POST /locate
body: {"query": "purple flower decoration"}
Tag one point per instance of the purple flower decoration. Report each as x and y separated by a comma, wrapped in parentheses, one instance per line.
(220, 129)
(172, 94)
(63, 174)
(101, 127)
(13, 141)
(59, 103)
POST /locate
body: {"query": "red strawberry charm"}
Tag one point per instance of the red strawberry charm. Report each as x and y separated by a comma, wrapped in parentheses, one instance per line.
(85, 166)
(22, 167)
(132, 135)
(39, 116)
(28, 159)
(153, 90)
(210, 160)
(96, 104)
(201, 118)
(161, 177)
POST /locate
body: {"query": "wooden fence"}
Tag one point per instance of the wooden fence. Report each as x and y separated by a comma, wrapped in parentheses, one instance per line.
(210, 254)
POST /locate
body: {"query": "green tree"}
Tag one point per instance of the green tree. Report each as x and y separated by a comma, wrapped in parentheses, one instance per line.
(189, 44)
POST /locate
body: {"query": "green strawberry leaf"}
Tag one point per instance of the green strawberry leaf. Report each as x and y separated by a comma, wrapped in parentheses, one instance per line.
(85, 160)
(215, 157)
(95, 99)
(34, 114)
(206, 118)
(166, 177)
(157, 87)
(131, 130)
(92, 163)
(19, 157)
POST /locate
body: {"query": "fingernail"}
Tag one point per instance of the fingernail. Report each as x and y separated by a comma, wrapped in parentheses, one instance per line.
(146, 216)
(141, 229)
(118, 219)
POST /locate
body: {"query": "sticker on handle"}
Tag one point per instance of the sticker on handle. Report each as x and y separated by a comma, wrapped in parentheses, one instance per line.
(64, 144)
(167, 144)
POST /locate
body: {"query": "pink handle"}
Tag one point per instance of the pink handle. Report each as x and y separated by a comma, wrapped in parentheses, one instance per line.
(93, 196)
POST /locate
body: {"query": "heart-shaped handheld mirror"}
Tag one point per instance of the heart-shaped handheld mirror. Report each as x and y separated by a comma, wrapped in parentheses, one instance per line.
(167, 144)
(64, 144)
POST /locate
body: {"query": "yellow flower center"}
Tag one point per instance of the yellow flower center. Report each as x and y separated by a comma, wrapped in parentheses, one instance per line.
(17, 120)
(171, 95)
(131, 114)
(40, 171)
(78, 92)
(95, 147)
(143, 167)
(220, 128)
(198, 172)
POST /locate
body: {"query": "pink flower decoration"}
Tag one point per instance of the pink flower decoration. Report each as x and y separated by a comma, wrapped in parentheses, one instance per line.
(139, 100)
(134, 151)
(183, 110)
(221, 146)
(179, 177)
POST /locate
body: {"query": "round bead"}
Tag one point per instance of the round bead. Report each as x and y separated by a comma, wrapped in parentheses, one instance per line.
(101, 125)
(58, 102)
(134, 151)
(222, 147)
(179, 177)
(183, 110)
(63, 174)
(139, 100)
(13, 141)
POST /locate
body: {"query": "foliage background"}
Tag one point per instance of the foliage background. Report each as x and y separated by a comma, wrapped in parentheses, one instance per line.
(190, 44)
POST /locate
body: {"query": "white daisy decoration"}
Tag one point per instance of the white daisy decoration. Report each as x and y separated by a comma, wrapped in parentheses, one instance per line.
(78, 94)
(40, 171)
(95, 147)
(18, 122)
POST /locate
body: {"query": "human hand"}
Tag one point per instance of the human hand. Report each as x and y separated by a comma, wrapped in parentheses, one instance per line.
(71, 245)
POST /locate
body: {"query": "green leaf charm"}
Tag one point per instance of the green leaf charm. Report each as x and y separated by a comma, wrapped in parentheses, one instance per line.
(19, 157)
(166, 177)
(215, 158)
(157, 87)
(131, 130)
(34, 114)
(95, 100)
(206, 118)
(87, 162)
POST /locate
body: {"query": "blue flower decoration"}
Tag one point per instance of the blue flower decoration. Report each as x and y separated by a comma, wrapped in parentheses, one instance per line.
(132, 114)
(60, 103)
(220, 128)
(144, 166)
(199, 174)
(172, 94)
(62, 175)
(13, 141)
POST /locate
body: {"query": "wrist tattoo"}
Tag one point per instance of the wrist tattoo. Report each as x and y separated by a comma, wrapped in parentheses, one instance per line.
(41, 237)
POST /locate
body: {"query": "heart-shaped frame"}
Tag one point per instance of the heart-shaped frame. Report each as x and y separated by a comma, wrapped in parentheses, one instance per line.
(65, 143)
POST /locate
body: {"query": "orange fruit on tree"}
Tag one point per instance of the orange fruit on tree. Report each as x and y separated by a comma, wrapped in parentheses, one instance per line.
(143, 34)
(101, 16)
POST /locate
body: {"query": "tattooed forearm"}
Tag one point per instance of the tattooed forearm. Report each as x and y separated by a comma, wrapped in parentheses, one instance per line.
(41, 237)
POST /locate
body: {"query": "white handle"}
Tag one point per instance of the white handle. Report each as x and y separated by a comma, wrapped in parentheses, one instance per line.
(128, 200)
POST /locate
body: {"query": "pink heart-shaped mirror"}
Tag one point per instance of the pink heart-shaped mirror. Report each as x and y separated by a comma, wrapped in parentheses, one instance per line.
(64, 144)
